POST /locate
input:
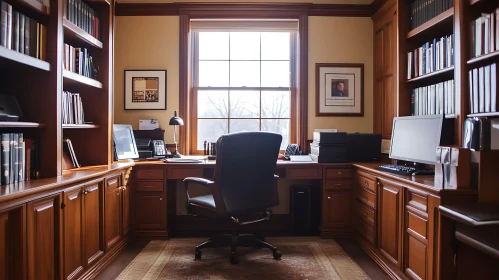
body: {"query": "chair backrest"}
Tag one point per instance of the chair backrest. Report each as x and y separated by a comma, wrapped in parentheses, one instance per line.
(245, 168)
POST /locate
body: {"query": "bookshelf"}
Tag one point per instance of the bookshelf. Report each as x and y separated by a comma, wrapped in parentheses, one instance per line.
(38, 84)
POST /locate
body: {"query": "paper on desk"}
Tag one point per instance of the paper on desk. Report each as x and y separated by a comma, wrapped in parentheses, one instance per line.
(304, 158)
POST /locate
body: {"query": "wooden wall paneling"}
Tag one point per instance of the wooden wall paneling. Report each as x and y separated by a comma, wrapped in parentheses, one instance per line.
(72, 223)
(93, 223)
(184, 83)
(43, 238)
(402, 27)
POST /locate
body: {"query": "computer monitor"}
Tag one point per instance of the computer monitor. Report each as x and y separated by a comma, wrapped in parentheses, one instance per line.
(124, 142)
(415, 138)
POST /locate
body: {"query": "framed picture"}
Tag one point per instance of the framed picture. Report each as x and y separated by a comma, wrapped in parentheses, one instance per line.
(145, 89)
(339, 89)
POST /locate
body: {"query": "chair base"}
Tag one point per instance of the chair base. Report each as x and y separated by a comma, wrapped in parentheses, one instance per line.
(234, 240)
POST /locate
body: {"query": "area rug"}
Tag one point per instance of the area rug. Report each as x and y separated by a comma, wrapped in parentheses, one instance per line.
(303, 258)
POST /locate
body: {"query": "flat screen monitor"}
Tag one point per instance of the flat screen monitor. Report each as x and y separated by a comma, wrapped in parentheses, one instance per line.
(124, 142)
(416, 138)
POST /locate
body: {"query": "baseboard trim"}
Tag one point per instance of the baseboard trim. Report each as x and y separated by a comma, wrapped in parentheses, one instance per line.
(379, 260)
(103, 263)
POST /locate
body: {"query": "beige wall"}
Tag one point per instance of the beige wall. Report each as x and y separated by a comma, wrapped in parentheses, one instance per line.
(152, 43)
(341, 40)
(146, 43)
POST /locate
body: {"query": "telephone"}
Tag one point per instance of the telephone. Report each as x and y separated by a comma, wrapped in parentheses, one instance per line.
(158, 148)
(291, 150)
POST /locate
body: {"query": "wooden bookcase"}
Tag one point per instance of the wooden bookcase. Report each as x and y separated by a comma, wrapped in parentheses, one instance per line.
(38, 84)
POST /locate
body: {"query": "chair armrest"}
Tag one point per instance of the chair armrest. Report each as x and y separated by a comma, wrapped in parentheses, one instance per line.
(202, 181)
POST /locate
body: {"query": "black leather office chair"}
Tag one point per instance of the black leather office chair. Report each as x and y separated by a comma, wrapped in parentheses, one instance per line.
(243, 190)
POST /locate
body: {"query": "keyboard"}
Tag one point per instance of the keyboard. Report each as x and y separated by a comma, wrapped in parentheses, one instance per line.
(404, 170)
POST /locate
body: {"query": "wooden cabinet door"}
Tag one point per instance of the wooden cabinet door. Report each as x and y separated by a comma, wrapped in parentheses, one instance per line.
(72, 232)
(150, 211)
(112, 212)
(13, 244)
(93, 202)
(125, 196)
(336, 209)
(43, 217)
(389, 215)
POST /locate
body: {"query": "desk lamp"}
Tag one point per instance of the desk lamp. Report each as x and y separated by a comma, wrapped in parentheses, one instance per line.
(175, 120)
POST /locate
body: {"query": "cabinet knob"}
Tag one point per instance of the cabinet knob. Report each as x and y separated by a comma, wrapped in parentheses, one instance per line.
(85, 192)
(339, 173)
(160, 198)
(328, 197)
(337, 184)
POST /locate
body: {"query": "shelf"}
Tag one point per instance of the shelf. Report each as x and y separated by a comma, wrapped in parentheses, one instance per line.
(20, 124)
(440, 21)
(444, 73)
(71, 78)
(493, 114)
(79, 126)
(7, 55)
(35, 5)
(74, 32)
(484, 59)
(100, 1)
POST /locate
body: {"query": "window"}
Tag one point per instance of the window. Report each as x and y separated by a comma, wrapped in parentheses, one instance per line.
(242, 81)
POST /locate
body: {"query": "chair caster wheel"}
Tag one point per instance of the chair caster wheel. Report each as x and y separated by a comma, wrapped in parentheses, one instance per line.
(277, 255)
(233, 259)
(198, 254)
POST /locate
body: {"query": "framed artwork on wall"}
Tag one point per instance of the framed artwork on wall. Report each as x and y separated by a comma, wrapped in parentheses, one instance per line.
(145, 89)
(339, 89)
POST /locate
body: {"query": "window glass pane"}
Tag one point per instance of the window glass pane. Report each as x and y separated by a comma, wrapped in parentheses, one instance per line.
(278, 126)
(210, 130)
(214, 45)
(245, 45)
(244, 104)
(244, 125)
(244, 74)
(213, 104)
(213, 73)
(275, 74)
(275, 104)
(275, 45)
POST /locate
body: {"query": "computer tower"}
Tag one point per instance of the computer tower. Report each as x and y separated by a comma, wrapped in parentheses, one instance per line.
(305, 209)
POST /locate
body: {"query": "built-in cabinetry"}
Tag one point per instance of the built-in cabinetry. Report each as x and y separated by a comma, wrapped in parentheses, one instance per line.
(336, 201)
(65, 228)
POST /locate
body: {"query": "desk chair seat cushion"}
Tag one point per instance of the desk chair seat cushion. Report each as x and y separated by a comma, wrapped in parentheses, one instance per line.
(202, 206)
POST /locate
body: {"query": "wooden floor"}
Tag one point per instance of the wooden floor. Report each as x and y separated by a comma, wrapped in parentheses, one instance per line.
(349, 245)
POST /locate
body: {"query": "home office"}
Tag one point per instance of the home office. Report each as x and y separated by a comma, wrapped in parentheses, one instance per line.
(70, 210)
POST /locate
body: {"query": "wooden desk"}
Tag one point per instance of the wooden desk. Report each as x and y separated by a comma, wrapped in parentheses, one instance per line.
(393, 217)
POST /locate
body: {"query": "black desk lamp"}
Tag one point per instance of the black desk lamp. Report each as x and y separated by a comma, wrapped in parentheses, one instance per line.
(175, 120)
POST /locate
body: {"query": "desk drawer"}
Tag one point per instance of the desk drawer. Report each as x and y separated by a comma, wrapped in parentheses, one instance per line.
(183, 172)
(150, 186)
(150, 174)
(333, 173)
(417, 224)
(304, 172)
(338, 184)
(365, 182)
(367, 197)
(417, 200)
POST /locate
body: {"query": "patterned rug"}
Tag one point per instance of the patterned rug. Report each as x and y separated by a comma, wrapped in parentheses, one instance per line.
(303, 258)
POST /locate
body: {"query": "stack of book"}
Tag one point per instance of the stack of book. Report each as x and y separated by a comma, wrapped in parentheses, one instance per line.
(79, 61)
(72, 108)
(20, 33)
(483, 89)
(433, 99)
(432, 56)
(19, 159)
(83, 16)
(329, 147)
(485, 34)
(69, 158)
(424, 10)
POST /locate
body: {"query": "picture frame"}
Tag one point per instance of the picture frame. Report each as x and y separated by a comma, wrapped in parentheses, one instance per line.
(339, 89)
(145, 89)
